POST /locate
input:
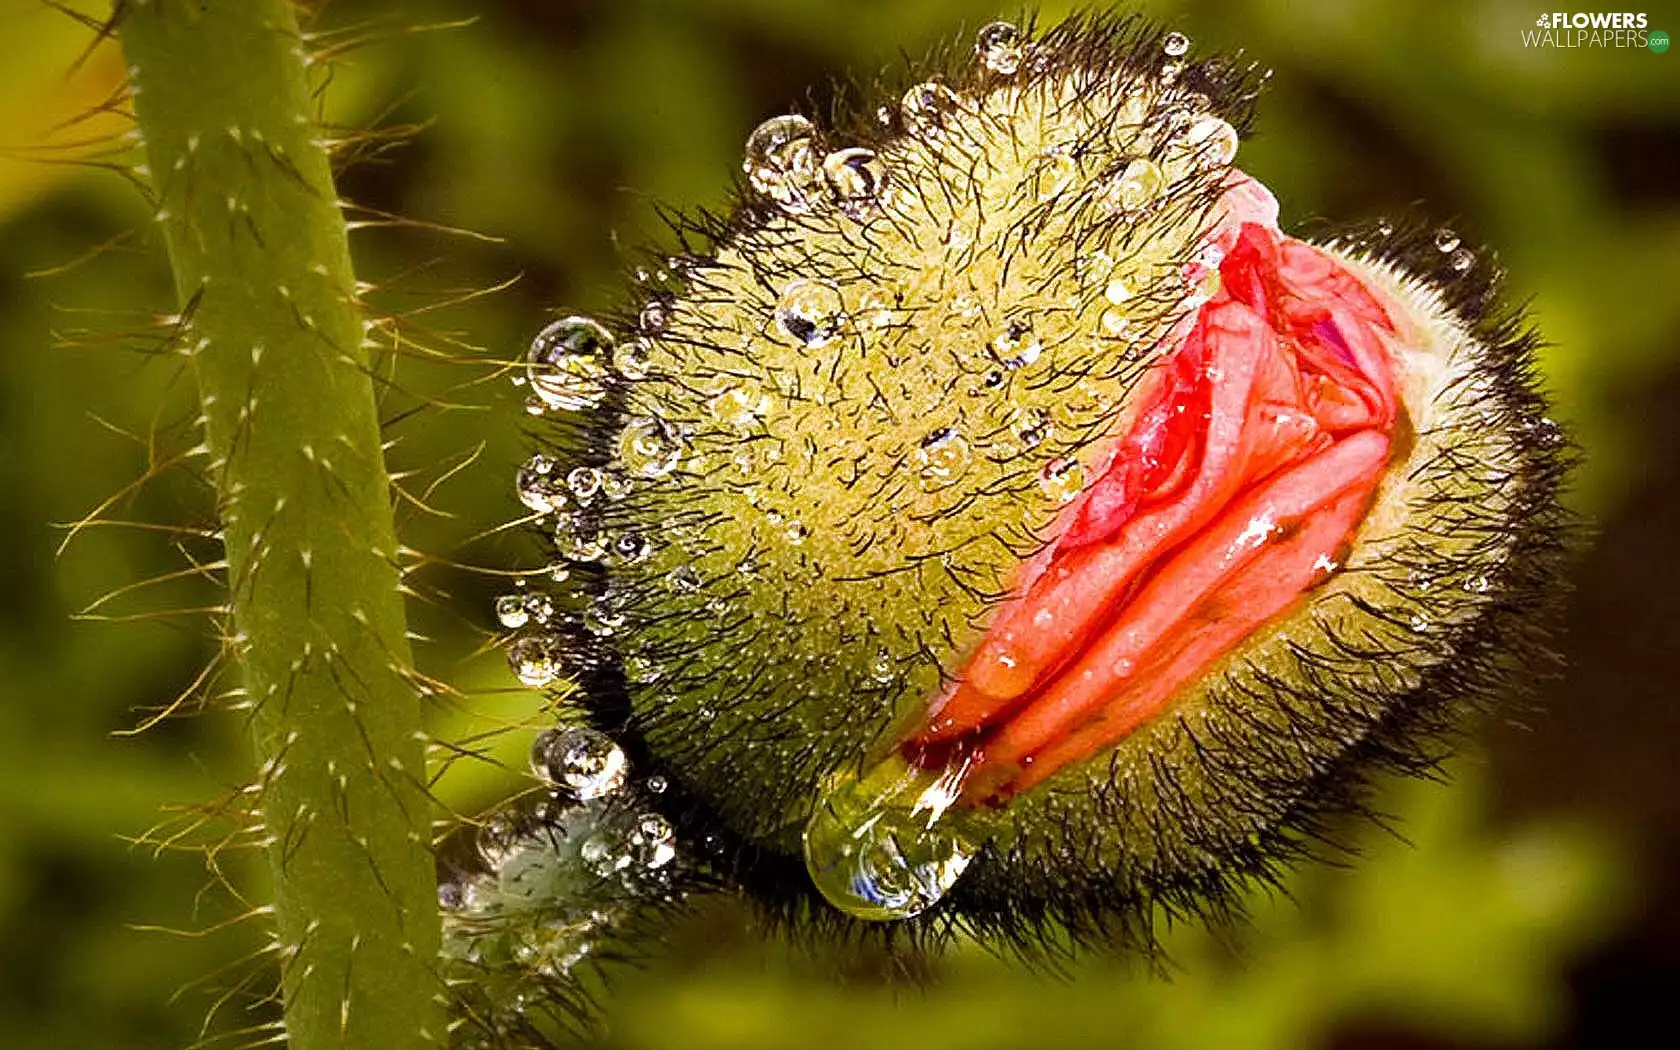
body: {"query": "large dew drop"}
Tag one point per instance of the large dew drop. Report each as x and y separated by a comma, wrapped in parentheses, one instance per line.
(1135, 187)
(1062, 479)
(514, 611)
(810, 312)
(929, 106)
(1212, 142)
(998, 47)
(567, 363)
(886, 847)
(942, 458)
(584, 761)
(735, 407)
(649, 448)
(1016, 346)
(539, 486)
(857, 178)
(536, 660)
(782, 161)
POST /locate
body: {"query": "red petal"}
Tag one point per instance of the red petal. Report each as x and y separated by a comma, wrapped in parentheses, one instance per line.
(1277, 407)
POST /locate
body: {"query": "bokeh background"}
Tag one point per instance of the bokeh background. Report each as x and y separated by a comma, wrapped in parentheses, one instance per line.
(1532, 899)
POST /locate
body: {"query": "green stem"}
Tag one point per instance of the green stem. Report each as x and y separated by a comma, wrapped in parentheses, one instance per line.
(262, 267)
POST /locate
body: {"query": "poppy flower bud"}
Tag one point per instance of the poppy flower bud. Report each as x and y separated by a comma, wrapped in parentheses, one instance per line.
(1000, 517)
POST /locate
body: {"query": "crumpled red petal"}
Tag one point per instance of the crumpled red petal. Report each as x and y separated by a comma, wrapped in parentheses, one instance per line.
(1252, 457)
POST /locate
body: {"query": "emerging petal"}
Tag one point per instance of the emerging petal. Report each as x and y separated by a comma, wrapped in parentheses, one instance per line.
(1257, 447)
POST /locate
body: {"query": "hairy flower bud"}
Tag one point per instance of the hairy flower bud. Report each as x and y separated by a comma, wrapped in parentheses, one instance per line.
(1000, 517)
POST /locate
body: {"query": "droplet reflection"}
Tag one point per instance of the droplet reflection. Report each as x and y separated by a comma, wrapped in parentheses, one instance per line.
(887, 846)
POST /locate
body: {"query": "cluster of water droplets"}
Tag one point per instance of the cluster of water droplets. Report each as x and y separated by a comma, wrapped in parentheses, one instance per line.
(786, 163)
(1460, 260)
(552, 879)
(571, 367)
(554, 876)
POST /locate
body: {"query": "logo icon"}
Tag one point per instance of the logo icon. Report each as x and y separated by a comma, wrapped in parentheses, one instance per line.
(1545, 22)
(1657, 41)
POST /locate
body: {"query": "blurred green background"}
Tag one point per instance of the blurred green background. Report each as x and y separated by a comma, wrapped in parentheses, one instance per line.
(1533, 904)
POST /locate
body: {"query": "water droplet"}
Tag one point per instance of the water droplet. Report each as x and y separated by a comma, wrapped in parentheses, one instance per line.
(631, 547)
(1384, 227)
(510, 611)
(942, 457)
(566, 363)
(999, 48)
(615, 485)
(538, 486)
(781, 161)
(651, 843)
(1462, 260)
(1016, 346)
(684, 578)
(1323, 567)
(883, 670)
(630, 359)
(735, 407)
(1062, 479)
(1033, 426)
(1135, 187)
(1445, 240)
(1175, 44)
(875, 309)
(810, 312)
(858, 180)
(535, 659)
(648, 448)
(1116, 323)
(887, 846)
(584, 761)
(929, 108)
(657, 784)
(584, 482)
(1212, 141)
(797, 533)
(1055, 171)
(655, 313)
(1117, 291)
(579, 539)
(602, 621)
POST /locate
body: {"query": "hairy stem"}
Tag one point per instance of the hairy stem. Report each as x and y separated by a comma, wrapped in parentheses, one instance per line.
(262, 267)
